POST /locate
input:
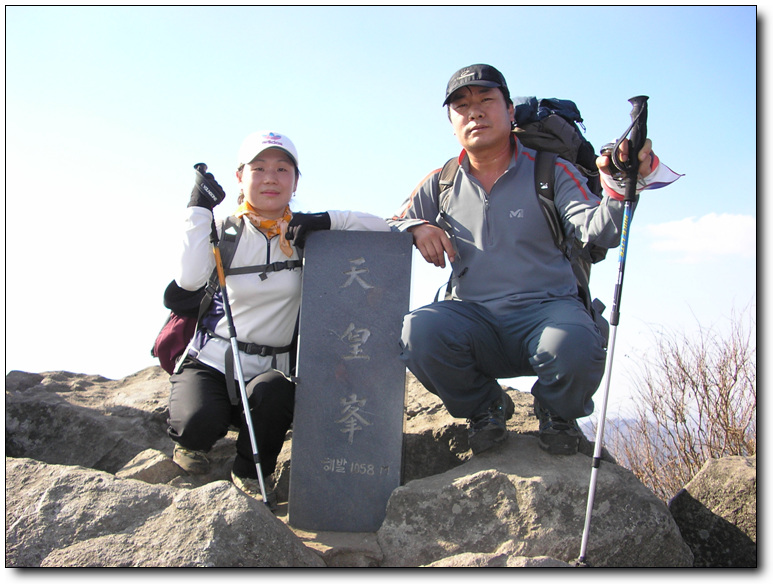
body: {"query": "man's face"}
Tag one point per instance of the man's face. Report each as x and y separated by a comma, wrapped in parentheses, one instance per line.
(268, 182)
(480, 116)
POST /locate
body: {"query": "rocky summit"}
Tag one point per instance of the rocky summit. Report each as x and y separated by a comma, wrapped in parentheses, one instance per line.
(90, 483)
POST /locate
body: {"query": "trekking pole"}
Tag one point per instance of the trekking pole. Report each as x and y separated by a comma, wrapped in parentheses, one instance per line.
(638, 130)
(202, 168)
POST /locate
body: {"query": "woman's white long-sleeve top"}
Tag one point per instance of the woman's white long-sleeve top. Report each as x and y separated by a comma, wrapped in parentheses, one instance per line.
(264, 311)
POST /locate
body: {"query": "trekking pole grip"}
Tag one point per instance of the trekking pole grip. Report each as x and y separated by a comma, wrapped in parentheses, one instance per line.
(636, 143)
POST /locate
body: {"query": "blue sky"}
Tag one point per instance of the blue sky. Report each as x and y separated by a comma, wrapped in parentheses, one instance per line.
(108, 108)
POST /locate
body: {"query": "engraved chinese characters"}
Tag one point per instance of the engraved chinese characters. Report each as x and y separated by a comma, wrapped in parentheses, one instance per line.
(348, 424)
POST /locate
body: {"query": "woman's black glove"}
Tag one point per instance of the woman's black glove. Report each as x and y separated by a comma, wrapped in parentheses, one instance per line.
(207, 192)
(304, 223)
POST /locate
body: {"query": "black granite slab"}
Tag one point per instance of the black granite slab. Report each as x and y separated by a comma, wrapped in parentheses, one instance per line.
(348, 424)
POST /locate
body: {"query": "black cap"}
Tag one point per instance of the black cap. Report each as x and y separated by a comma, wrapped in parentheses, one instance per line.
(485, 75)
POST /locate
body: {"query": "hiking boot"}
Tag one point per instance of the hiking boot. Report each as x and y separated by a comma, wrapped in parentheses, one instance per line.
(191, 461)
(557, 435)
(488, 429)
(251, 487)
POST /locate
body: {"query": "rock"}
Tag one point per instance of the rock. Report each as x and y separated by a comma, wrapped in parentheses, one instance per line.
(151, 466)
(538, 562)
(86, 420)
(344, 550)
(717, 513)
(435, 442)
(64, 516)
(518, 492)
(504, 557)
(102, 490)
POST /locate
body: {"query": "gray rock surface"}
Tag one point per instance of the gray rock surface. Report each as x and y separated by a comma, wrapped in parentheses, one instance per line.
(64, 516)
(518, 493)
(90, 482)
(717, 513)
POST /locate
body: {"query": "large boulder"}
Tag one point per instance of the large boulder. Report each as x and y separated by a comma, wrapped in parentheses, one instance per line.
(64, 516)
(517, 493)
(85, 420)
(717, 513)
(94, 422)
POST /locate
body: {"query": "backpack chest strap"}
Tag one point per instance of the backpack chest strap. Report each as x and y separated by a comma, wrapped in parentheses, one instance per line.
(265, 269)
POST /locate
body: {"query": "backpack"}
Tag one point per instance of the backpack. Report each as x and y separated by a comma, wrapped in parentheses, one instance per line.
(187, 308)
(553, 125)
(550, 126)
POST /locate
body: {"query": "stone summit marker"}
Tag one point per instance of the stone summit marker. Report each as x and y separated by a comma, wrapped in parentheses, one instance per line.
(349, 402)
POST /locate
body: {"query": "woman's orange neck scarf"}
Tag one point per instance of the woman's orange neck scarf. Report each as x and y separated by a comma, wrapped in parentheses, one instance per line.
(271, 227)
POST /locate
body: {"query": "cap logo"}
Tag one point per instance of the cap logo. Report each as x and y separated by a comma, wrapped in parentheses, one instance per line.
(272, 138)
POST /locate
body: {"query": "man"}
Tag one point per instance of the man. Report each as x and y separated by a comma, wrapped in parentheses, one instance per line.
(515, 309)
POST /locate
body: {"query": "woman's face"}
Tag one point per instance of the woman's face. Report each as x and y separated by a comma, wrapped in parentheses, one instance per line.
(268, 182)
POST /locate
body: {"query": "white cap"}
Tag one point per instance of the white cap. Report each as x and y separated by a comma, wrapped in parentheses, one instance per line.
(257, 142)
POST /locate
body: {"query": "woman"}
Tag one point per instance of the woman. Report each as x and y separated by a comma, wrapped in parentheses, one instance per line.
(265, 309)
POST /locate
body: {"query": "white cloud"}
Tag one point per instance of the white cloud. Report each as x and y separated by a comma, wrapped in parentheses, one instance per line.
(693, 240)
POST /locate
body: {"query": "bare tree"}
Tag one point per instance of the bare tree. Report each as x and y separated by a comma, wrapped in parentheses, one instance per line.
(695, 399)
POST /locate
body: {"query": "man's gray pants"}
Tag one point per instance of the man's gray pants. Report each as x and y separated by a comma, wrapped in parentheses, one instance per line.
(458, 350)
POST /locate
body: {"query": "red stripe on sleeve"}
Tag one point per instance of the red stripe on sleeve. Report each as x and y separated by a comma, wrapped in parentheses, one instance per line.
(574, 178)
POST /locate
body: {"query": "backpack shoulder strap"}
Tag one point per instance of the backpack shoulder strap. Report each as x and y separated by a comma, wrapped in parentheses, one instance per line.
(543, 182)
(233, 228)
(544, 169)
(448, 174)
(446, 178)
(229, 240)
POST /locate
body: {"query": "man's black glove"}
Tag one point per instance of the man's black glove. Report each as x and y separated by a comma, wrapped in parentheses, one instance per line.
(304, 223)
(207, 192)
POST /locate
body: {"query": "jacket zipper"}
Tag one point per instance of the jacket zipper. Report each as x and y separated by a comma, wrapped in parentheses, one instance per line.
(486, 222)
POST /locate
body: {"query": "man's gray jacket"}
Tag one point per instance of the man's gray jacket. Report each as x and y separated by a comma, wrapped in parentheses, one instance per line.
(506, 256)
